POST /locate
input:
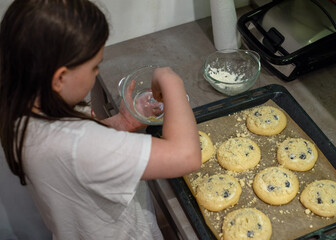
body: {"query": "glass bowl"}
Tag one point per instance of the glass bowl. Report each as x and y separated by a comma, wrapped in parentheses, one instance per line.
(140, 102)
(232, 71)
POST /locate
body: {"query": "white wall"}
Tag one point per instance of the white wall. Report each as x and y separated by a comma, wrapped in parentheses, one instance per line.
(134, 18)
(3, 6)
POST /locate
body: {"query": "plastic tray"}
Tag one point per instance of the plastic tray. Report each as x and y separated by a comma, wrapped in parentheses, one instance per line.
(230, 105)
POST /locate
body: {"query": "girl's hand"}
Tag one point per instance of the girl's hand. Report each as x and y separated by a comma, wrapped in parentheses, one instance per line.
(124, 121)
(147, 106)
(159, 74)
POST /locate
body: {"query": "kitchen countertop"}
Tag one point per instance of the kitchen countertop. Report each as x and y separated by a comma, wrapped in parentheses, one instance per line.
(184, 48)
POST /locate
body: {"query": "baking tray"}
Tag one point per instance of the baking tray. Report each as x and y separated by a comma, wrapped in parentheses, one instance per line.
(226, 106)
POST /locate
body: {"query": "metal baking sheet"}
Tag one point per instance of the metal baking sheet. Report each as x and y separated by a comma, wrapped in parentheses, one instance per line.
(227, 114)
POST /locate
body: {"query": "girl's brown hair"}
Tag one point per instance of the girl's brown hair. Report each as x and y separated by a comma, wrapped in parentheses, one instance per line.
(36, 38)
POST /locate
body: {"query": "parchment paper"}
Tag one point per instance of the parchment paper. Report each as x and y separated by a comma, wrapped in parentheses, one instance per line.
(288, 221)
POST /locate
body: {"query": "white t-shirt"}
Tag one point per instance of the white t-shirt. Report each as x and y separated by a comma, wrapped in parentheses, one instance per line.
(83, 178)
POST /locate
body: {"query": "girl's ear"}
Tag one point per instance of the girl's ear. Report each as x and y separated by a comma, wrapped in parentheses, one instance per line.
(58, 80)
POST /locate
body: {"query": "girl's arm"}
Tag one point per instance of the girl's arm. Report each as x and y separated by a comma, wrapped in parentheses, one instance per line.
(178, 152)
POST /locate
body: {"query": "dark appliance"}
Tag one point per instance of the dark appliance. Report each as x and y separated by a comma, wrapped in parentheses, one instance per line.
(293, 37)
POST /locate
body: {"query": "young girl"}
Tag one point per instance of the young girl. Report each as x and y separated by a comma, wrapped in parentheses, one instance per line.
(82, 174)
